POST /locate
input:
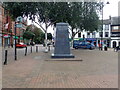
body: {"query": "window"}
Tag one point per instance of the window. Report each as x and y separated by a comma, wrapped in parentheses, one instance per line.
(115, 27)
(106, 27)
(88, 35)
(100, 34)
(93, 34)
(106, 34)
(79, 34)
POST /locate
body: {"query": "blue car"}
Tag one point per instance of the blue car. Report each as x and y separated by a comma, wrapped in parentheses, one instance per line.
(83, 44)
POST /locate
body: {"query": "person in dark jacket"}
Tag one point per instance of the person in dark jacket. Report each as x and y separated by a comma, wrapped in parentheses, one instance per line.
(117, 48)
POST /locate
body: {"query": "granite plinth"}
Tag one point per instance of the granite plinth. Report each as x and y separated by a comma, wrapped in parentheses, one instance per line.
(62, 56)
(62, 44)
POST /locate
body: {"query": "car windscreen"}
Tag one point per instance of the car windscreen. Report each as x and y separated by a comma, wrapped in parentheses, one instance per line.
(76, 41)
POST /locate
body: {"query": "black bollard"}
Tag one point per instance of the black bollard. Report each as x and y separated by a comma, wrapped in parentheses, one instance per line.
(25, 51)
(105, 48)
(36, 48)
(31, 49)
(49, 48)
(6, 52)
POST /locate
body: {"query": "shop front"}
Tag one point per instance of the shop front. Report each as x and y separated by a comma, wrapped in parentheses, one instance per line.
(6, 40)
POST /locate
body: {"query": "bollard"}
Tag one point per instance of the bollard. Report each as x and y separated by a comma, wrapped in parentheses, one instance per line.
(49, 48)
(31, 49)
(36, 48)
(25, 51)
(5, 63)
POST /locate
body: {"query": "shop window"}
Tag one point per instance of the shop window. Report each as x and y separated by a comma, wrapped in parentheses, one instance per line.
(119, 43)
(100, 34)
(114, 44)
(106, 34)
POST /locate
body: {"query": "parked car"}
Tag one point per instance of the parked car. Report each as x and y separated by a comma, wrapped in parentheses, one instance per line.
(21, 45)
(83, 44)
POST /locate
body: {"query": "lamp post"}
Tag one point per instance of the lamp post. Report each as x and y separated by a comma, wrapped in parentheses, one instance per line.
(15, 43)
(17, 25)
(102, 26)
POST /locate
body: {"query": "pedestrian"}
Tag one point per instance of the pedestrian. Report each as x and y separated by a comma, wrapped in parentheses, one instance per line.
(99, 45)
(117, 48)
(12, 45)
(105, 47)
(114, 48)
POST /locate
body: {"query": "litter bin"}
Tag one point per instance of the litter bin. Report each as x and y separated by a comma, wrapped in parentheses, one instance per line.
(105, 48)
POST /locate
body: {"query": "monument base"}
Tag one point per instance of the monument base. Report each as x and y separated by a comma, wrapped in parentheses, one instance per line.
(62, 56)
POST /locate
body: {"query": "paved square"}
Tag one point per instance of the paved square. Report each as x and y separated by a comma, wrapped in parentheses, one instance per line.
(99, 69)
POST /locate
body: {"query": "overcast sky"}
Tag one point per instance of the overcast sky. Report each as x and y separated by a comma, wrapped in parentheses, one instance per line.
(110, 9)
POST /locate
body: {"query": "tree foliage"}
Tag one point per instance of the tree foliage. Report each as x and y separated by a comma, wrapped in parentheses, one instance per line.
(28, 35)
(34, 33)
(79, 15)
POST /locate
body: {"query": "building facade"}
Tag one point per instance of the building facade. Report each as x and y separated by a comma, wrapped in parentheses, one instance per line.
(110, 35)
(21, 26)
(7, 29)
(115, 31)
(103, 35)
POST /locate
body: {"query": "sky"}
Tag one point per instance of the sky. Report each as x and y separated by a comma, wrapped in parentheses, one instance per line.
(110, 9)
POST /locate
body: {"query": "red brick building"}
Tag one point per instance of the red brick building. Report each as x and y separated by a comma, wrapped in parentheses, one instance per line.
(2, 21)
(7, 29)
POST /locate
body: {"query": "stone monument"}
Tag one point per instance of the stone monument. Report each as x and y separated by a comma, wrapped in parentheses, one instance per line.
(62, 44)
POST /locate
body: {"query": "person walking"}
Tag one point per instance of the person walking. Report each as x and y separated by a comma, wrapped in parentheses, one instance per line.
(117, 48)
(99, 45)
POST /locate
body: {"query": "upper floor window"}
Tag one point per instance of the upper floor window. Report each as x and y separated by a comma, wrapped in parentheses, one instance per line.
(93, 34)
(79, 34)
(100, 34)
(106, 27)
(115, 27)
(88, 35)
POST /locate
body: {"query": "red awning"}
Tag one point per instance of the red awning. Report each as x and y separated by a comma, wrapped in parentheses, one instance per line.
(6, 36)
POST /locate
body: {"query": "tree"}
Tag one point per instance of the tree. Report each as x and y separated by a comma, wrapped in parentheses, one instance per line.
(39, 35)
(37, 32)
(80, 15)
(28, 35)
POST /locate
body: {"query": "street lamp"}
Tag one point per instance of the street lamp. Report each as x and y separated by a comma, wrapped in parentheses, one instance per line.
(15, 43)
(17, 25)
(102, 26)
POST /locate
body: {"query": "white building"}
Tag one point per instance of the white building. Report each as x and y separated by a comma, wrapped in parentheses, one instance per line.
(96, 35)
(115, 31)
(109, 35)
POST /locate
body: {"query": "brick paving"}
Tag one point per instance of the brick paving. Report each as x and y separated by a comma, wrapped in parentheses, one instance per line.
(20, 53)
(99, 69)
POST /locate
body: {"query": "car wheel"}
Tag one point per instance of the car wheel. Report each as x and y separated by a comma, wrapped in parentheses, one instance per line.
(90, 48)
(76, 47)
